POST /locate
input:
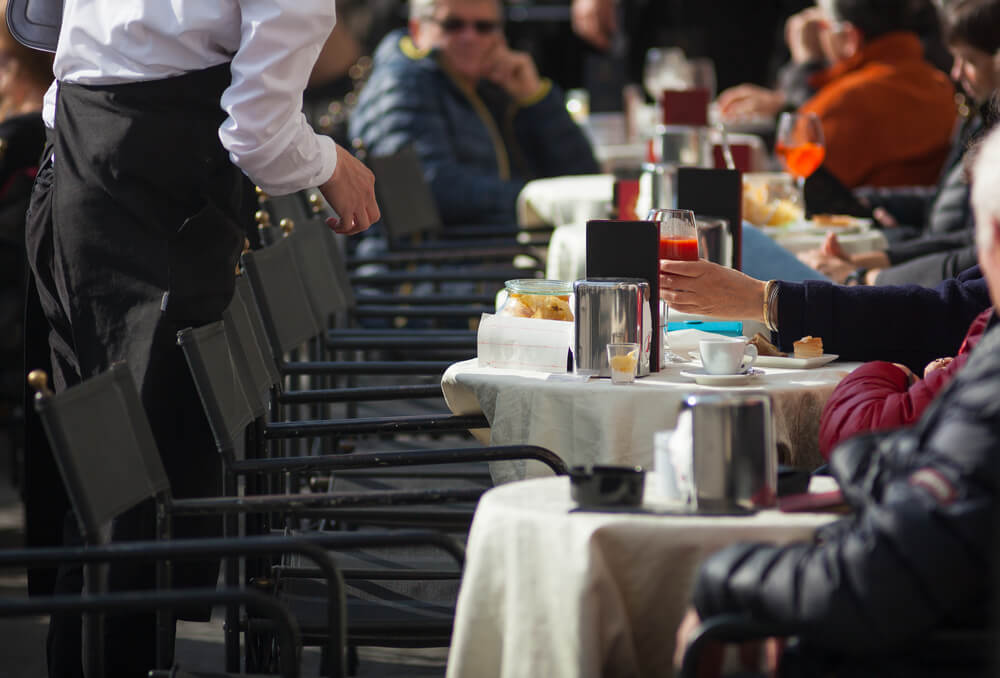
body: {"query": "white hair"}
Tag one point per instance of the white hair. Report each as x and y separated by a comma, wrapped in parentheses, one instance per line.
(421, 10)
(986, 188)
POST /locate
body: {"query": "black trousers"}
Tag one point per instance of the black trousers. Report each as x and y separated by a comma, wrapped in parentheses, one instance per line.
(133, 233)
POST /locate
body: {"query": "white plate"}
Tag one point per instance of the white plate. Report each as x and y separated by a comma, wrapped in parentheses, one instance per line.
(810, 227)
(791, 362)
(705, 379)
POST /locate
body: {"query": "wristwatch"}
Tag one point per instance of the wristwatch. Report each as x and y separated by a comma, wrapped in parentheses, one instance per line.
(857, 277)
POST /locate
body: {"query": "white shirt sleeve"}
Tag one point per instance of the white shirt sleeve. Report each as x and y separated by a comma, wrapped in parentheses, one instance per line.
(266, 133)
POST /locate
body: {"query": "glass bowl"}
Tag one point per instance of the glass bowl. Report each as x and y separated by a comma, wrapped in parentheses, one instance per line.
(535, 298)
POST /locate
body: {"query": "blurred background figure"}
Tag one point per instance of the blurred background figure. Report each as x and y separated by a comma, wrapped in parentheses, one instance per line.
(479, 115)
(887, 113)
(738, 36)
(806, 58)
(344, 64)
(25, 74)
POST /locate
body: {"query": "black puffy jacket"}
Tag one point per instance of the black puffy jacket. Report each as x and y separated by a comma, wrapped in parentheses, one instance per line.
(915, 556)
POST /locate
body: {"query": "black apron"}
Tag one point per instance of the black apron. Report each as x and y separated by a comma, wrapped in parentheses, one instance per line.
(133, 233)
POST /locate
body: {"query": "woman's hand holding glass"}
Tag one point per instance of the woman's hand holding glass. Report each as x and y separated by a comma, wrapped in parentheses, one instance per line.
(678, 242)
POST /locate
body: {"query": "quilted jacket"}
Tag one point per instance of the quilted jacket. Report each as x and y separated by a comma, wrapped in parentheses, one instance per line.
(878, 396)
(915, 556)
(478, 148)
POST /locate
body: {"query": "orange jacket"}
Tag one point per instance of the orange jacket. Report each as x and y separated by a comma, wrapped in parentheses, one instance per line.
(887, 114)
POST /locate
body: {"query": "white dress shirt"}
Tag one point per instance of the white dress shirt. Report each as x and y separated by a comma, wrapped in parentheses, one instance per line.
(272, 45)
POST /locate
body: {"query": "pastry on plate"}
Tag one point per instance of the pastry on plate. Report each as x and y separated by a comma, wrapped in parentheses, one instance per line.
(808, 347)
(765, 347)
(837, 220)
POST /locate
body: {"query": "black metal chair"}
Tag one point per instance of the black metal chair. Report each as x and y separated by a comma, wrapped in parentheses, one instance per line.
(109, 463)
(412, 220)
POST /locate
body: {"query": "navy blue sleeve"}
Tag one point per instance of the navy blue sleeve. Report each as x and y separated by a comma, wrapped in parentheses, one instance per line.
(905, 324)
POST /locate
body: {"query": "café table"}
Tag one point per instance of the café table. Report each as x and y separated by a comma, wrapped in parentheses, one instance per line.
(549, 591)
(595, 421)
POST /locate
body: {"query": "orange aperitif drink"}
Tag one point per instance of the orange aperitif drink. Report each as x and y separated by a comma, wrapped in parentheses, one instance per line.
(802, 159)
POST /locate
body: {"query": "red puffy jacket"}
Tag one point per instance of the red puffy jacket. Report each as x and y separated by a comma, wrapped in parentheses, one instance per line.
(878, 396)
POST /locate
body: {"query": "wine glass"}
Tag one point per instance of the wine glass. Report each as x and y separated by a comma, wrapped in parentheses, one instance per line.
(799, 144)
(679, 242)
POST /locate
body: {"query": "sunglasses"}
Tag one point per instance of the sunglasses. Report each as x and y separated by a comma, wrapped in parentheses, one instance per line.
(455, 25)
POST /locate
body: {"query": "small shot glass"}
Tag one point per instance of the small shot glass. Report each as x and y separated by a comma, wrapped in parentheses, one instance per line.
(623, 359)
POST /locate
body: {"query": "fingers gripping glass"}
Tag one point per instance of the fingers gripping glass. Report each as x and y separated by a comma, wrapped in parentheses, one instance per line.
(453, 24)
(678, 241)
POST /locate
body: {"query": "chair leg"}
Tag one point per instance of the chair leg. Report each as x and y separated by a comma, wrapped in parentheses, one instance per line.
(231, 574)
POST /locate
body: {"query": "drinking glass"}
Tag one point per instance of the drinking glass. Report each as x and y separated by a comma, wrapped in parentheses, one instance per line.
(679, 242)
(799, 144)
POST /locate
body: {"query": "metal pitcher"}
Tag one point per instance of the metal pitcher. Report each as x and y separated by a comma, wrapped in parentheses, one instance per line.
(610, 311)
(735, 458)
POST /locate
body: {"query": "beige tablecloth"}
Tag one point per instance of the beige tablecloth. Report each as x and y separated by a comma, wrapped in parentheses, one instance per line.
(598, 422)
(547, 592)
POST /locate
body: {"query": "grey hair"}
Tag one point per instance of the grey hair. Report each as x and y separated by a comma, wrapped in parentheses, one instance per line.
(422, 9)
(986, 188)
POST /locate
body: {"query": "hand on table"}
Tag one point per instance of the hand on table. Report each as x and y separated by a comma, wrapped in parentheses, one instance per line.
(835, 268)
(351, 194)
(514, 71)
(750, 101)
(936, 364)
(705, 288)
(594, 21)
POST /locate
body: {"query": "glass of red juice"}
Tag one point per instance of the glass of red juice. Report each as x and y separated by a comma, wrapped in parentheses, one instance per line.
(678, 241)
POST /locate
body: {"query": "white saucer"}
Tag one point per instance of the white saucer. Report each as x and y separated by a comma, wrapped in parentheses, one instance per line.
(705, 379)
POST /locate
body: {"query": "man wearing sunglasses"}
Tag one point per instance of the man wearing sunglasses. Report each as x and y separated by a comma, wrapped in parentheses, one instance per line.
(478, 114)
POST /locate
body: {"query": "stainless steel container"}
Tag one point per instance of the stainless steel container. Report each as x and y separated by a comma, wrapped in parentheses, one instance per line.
(610, 311)
(735, 459)
(715, 241)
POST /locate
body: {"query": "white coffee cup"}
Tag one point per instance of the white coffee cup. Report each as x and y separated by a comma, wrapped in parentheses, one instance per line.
(727, 355)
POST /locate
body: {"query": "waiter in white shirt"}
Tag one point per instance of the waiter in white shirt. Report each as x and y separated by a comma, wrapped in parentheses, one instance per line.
(134, 232)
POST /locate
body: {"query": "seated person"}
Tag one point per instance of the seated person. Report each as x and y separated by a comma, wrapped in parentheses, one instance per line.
(881, 396)
(887, 114)
(972, 30)
(479, 116)
(917, 554)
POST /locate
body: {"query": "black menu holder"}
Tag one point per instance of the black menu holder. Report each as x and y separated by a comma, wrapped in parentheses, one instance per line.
(628, 249)
(716, 193)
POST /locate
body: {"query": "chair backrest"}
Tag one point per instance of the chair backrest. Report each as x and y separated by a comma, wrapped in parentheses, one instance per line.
(313, 245)
(249, 344)
(404, 198)
(230, 402)
(104, 447)
(281, 297)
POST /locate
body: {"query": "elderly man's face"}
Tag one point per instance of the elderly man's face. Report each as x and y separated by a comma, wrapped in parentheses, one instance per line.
(465, 31)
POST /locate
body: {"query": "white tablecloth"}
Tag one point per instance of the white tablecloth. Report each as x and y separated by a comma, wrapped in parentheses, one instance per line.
(600, 422)
(565, 200)
(557, 594)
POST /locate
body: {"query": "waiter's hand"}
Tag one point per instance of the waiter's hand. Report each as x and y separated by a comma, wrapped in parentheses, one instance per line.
(351, 194)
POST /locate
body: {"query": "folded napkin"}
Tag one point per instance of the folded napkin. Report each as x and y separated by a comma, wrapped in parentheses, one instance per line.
(524, 343)
(684, 341)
